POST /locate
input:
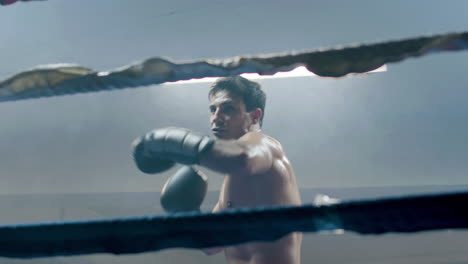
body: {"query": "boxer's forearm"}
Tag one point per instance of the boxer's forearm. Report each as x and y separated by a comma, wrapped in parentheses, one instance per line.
(238, 157)
(226, 156)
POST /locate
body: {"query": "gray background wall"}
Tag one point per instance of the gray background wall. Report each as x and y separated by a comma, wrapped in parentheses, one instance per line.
(404, 127)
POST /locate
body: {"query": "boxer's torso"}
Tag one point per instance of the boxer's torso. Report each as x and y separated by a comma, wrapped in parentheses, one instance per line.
(277, 186)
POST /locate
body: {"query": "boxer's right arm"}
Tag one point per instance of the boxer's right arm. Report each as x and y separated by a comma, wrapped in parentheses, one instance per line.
(160, 149)
(251, 154)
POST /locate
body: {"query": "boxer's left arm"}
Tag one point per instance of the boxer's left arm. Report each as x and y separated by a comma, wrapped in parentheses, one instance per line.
(251, 154)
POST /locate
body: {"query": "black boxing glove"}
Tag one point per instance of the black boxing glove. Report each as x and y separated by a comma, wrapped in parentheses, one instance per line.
(184, 191)
(147, 163)
(159, 149)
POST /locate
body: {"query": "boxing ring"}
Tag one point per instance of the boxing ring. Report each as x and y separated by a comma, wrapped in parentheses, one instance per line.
(68, 79)
(201, 230)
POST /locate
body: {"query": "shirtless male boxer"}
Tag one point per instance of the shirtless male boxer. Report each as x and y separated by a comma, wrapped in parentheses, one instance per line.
(257, 172)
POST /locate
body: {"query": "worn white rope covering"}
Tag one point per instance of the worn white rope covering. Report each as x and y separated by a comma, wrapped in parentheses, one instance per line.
(62, 79)
(9, 2)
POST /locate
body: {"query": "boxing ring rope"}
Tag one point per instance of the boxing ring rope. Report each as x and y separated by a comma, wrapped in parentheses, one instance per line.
(201, 230)
(9, 2)
(62, 79)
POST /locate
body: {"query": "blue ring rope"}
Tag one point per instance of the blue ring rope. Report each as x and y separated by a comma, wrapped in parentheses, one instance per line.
(201, 230)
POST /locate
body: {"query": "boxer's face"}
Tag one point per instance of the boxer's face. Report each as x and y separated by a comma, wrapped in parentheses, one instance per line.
(229, 118)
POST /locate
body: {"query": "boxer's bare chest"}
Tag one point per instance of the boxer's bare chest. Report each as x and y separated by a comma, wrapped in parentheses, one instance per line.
(233, 194)
(238, 192)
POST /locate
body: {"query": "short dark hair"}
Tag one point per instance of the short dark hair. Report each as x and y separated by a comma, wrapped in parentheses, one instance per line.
(250, 92)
